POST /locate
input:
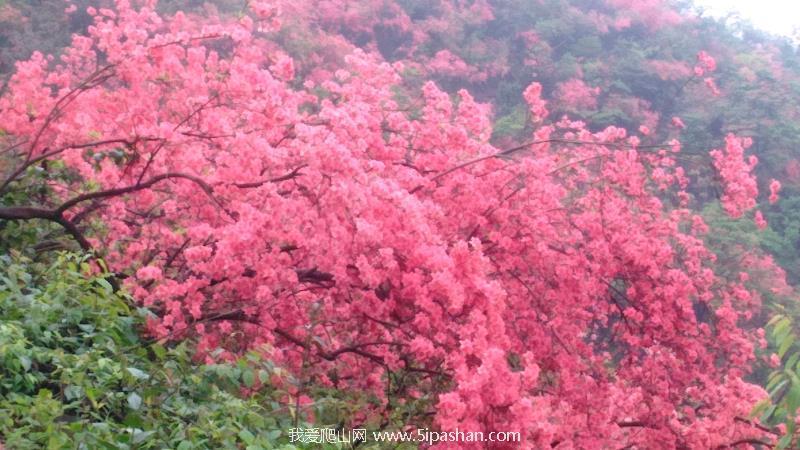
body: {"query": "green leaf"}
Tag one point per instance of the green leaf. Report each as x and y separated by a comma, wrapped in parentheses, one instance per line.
(248, 376)
(776, 384)
(247, 437)
(792, 360)
(73, 392)
(26, 363)
(782, 328)
(133, 420)
(793, 396)
(140, 436)
(159, 351)
(105, 285)
(768, 414)
(274, 435)
(775, 319)
(785, 346)
(134, 401)
(138, 374)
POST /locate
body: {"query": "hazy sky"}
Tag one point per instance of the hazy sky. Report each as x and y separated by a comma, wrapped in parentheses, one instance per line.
(776, 16)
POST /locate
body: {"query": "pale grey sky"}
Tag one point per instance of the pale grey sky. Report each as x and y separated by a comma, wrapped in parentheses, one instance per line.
(776, 16)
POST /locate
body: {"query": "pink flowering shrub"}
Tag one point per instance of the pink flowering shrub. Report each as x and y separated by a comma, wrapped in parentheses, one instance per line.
(740, 187)
(705, 64)
(576, 94)
(774, 189)
(546, 288)
(537, 105)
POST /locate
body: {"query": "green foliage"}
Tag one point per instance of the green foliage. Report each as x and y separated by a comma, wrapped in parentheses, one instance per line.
(735, 236)
(783, 240)
(783, 384)
(586, 46)
(32, 189)
(738, 246)
(510, 125)
(74, 371)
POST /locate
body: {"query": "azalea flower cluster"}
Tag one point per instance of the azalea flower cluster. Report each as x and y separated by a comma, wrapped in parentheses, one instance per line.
(739, 182)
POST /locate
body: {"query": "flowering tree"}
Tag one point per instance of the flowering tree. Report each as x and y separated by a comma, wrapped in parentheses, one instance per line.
(546, 288)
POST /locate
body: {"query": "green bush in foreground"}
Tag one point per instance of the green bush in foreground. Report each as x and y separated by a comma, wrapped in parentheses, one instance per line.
(75, 373)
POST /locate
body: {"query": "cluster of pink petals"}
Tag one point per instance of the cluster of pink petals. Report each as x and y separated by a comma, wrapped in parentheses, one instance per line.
(537, 105)
(705, 64)
(774, 189)
(739, 183)
(760, 221)
(575, 93)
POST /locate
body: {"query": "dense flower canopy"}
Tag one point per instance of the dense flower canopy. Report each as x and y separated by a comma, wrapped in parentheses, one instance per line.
(547, 288)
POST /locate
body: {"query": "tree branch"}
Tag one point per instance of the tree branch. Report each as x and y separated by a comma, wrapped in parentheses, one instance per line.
(757, 425)
(30, 161)
(520, 147)
(293, 174)
(57, 215)
(26, 213)
(134, 188)
(240, 316)
(749, 441)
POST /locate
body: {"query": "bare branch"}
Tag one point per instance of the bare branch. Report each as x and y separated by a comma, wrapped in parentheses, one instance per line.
(50, 153)
(748, 441)
(293, 174)
(524, 146)
(134, 188)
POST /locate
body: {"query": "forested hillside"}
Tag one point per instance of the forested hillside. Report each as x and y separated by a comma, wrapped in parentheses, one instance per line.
(226, 223)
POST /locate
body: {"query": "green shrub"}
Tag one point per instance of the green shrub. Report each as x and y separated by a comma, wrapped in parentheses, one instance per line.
(75, 373)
